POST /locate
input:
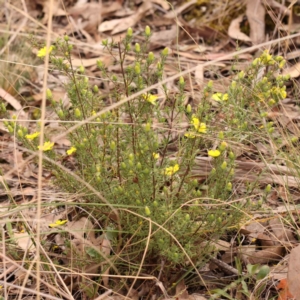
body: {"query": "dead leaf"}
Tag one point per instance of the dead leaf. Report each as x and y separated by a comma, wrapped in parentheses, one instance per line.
(164, 37)
(88, 62)
(88, 16)
(293, 277)
(199, 74)
(177, 11)
(281, 233)
(10, 100)
(234, 30)
(267, 255)
(24, 241)
(164, 4)
(293, 71)
(56, 9)
(119, 25)
(284, 293)
(256, 16)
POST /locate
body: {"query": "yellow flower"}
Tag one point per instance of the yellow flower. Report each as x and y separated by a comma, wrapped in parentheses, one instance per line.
(150, 98)
(171, 170)
(58, 223)
(46, 147)
(219, 97)
(190, 135)
(155, 155)
(213, 153)
(200, 127)
(32, 136)
(43, 52)
(71, 150)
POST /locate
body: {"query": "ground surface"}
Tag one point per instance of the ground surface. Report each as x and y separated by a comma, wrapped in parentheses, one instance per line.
(196, 33)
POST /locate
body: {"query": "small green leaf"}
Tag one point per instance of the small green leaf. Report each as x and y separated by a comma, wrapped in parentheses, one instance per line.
(263, 272)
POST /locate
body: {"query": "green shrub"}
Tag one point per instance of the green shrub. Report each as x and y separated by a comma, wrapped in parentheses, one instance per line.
(141, 156)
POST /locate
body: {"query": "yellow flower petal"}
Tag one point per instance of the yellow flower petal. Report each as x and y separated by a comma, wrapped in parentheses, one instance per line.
(43, 51)
(213, 153)
(219, 97)
(195, 121)
(190, 135)
(200, 127)
(150, 98)
(171, 170)
(155, 155)
(71, 150)
(32, 136)
(58, 223)
(46, 147)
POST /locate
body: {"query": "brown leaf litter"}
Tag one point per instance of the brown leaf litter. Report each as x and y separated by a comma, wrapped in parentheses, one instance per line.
(269, 237)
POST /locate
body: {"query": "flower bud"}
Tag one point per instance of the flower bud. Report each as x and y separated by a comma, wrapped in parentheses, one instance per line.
(189, 108)
(60, 114)
(3, 107)
(181, 81)
(165, 52)
(294, 139)
(223, 146)
(137, 48)
(147, 31)
(159, 66)
(150, 57)
(128, 47)
(77, 113)
(241, 75)
(221, 135)
(147, 211)
(10, 129)
(271, 102)
(256, 61)
(112, 145)
(224, 165)
(95, 89)
(48, 94)
(20, 133)
(233, 85)
(147, 127)
(137, 68)
(66, 38)
(210, 84)
(81, 69)
(100, 64)
(281, 64)
(129, 32)
(229, 186)
(211, 217)
(268, 188)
